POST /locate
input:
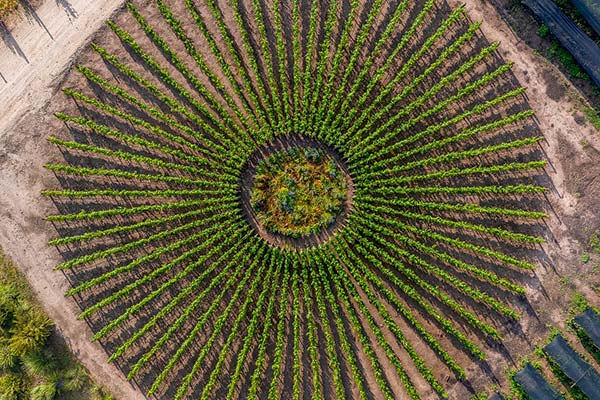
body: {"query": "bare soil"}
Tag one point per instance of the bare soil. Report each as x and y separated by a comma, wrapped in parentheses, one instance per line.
(25, 10)
(571, 145)
(525, 25)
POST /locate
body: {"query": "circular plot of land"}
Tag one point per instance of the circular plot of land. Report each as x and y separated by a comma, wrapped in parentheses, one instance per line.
(286, 199)
(296, 191)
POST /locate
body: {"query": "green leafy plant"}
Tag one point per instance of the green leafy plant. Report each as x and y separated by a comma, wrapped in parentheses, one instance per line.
(594, 242)
(45, 391)
(33, 363)
(298, 191)
(11, 387)
(593, 116)
(567, 60)
(8, 360)
(578, 304)
(40, 363)
(30, 332)
(585, 257)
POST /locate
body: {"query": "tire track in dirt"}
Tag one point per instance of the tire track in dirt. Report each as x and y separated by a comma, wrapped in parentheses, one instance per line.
(35, 55)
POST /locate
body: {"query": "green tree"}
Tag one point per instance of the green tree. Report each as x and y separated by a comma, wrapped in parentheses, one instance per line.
(11, 387)
(30, 332)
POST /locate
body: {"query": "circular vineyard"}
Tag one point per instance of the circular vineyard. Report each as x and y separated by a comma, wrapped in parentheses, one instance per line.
(296, 199)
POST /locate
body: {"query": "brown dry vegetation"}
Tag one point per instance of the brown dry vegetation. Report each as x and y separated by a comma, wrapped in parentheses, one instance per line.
(7, 6)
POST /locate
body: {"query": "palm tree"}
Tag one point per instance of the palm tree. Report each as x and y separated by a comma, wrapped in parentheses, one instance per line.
(41, 364)
(75, 379)
(45, 391)
(9, 302)
(30, 332)
(101, 394)
(8, 360)
(11, 387)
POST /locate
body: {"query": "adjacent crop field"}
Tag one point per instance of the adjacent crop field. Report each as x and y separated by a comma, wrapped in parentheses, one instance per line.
(419, 280)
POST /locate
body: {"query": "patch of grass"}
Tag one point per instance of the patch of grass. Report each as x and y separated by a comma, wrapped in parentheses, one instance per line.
(593, 116)
(565, 283)
(578, 304)
(543, 31)
(556, 51)
(585, 257)
(586, 342)
(595, 242)
(34, 362)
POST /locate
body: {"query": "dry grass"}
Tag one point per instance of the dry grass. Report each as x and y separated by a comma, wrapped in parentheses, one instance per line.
(7, 5)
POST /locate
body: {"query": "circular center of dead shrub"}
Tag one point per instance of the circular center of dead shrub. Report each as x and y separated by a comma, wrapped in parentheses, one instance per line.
(298, 191)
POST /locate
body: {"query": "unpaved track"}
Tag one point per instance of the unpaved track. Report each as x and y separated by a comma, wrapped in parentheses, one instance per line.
(555, 117)
(33, 60)
(37, 52)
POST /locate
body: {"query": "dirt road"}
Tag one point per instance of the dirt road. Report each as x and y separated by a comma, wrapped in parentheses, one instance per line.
(35, 54)
(559, 116)
(33, 59)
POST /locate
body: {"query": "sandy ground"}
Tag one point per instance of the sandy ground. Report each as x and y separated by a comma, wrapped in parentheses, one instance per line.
(555, 116)
(38, 52)
(558, 111)
(33, 59)
(32, 69)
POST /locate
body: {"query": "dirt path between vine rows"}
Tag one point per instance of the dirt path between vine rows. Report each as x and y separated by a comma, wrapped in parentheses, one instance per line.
(34, 57)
